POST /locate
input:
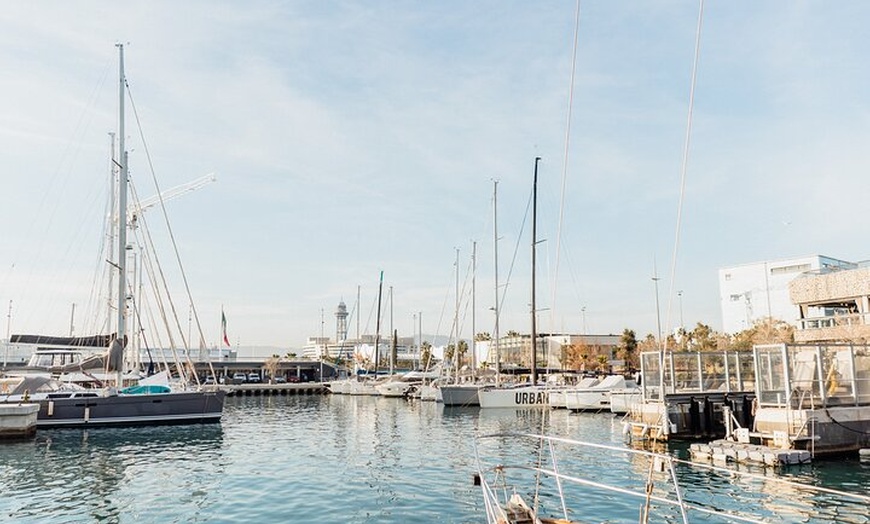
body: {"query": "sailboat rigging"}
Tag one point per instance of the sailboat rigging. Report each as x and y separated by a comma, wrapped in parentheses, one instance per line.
(150, 401)
(525, 395)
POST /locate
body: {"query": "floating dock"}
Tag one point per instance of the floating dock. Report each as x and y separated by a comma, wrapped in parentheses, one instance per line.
(258, 390)
(744, 453)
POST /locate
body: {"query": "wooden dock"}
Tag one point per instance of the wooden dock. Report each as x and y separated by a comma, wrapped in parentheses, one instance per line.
(258, 390)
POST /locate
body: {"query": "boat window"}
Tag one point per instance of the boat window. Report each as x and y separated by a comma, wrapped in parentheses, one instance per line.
(42, 361)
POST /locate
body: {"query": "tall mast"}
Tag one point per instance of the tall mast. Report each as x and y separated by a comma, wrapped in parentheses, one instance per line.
(122, 215)
(357, 314)
(495, 261)
(393, 334)
(473, 304)
(534, 246)
(113, 216)
(378, 325)
(456, 322)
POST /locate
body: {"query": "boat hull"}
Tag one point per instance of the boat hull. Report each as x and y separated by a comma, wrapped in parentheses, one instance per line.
(394, 389)
(460, 394)
(188, 407)
(623, 401)
(590, 400)
(515, 397)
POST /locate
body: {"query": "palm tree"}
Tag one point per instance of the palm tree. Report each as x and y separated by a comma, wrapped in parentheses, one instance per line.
(628, 348)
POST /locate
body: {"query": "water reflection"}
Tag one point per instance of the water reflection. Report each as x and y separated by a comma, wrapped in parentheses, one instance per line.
(74, 474)
(356, 460)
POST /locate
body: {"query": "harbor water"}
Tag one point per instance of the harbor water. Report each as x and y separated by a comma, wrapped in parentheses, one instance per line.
(355, 460)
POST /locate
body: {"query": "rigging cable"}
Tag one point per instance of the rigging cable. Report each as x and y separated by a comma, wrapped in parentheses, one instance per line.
(565, 162)
(683, 167)
(187, 343)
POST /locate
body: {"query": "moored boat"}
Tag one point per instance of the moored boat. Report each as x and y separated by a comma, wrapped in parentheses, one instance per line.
(461, 394)
(111, 404)
(595, 397)
(517, 396)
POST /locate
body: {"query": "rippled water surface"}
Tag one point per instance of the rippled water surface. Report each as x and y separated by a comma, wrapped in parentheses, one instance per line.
(356, 460)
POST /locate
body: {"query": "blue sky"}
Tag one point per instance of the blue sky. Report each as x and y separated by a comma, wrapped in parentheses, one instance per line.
(353, 137)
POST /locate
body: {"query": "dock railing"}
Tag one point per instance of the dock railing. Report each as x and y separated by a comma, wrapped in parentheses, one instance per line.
(812, 376)
(664, 373)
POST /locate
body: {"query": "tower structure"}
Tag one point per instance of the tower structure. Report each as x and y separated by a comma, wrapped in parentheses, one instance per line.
(341, 322)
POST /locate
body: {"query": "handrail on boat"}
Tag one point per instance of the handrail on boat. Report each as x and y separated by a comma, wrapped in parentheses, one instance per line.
(658, 462)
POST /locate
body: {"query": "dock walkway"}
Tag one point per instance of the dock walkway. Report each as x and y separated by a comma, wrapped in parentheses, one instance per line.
(256, 390)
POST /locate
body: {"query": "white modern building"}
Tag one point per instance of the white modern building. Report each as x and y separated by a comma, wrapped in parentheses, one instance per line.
(752, 292)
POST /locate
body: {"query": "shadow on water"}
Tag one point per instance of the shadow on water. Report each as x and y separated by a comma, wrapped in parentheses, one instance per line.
(66, 474)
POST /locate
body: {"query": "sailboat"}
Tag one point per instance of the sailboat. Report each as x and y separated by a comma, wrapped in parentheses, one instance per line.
(531, 394)
(466, 393)
(152, 401)
(366, 379)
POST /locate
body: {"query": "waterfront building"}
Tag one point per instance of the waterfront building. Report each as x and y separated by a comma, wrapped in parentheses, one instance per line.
(833, 304)
(360, 349)
(514, 349)
(759, 290)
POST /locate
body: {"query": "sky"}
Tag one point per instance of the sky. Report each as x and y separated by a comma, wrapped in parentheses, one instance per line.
(349, 138)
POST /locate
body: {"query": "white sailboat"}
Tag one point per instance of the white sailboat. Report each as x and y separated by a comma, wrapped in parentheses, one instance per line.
(112, 405)
(530, 395)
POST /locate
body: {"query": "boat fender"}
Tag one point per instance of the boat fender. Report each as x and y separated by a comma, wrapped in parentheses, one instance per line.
(626, 428)
(475, 479)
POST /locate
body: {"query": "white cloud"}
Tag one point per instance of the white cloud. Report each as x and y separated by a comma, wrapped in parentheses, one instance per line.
(349, 138)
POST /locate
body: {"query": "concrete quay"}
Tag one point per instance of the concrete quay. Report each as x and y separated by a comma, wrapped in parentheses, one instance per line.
(18, 420)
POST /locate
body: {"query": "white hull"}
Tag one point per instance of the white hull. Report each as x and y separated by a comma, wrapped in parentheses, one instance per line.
(363, 387)
(395, 388)
(624, 400)
(341, 387)
(589, 400)
(514, 397)
(429, 392)
(595, 398)
(558, 399)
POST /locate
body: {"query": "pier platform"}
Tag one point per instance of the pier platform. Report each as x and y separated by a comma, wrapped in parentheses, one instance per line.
(257, 390)
(745, 453)
(18, 420)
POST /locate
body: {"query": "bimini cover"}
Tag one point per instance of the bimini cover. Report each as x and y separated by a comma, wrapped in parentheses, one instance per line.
(145, 390)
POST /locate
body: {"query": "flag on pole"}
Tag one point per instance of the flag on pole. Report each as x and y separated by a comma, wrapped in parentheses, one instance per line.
(224, 328)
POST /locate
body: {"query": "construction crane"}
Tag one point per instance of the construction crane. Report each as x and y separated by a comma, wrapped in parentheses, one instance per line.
(137, 208)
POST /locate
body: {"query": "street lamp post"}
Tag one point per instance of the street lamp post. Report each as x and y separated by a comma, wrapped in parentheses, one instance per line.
(656, 279)
(680, 296)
